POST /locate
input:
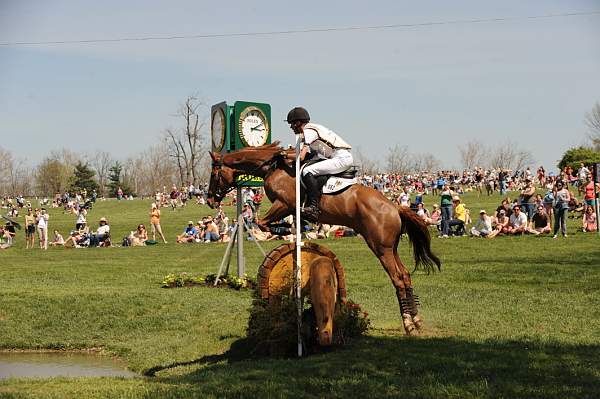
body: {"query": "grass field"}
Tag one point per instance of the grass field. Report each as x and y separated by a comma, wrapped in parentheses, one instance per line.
(509, 317)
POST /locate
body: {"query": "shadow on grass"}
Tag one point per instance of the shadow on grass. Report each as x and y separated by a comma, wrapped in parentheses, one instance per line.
(391, 367)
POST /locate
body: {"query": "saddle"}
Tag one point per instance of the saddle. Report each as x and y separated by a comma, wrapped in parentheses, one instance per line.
(335, 183)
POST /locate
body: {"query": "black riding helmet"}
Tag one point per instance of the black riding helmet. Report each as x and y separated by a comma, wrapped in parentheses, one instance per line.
(298, 114)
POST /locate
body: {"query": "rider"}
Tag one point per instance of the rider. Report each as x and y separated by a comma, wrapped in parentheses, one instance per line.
(333, 152)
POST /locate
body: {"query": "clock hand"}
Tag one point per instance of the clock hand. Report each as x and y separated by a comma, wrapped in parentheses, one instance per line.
(256, 128)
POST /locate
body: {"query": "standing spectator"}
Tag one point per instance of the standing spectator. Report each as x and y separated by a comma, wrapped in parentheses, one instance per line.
(81, 220)
(404, 198)
(588, 197)
(483, 226)
(446, 206)
(29, 229)
(173, 197)
(257, 200)
(561, 207)
(42, 226)
(583, 173)
(528, 198)
(541, 175)
(502, 181)
(155, 222)
(119, 194)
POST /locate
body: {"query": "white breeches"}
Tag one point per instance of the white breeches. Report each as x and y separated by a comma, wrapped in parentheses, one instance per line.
(341, 161)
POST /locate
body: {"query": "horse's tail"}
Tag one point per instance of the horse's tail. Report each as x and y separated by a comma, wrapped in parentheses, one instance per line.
(418, 235)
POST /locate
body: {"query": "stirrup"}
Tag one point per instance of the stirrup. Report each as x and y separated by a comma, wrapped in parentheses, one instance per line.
(310, 213)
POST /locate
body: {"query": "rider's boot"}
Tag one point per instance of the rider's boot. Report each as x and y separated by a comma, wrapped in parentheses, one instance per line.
(313, 193)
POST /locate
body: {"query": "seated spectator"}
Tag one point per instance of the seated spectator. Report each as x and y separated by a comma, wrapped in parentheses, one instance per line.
(138, 237)
(58, 239)
(102, 236)
(518, 222)
(500, 224)
(459, 217)
(189, 234)
(590, 224)
(210, 232)
(9, 233)
(483, 225)
(504, 206)
(540, 221)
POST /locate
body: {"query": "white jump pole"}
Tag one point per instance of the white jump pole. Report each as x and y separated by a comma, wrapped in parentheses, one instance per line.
(298, 246)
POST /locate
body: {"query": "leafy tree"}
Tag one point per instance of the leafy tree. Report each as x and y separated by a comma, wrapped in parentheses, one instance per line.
(115, 180)
(83, 178)
(574, 156)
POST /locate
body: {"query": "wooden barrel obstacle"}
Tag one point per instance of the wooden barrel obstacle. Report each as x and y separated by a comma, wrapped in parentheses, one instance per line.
(276, 274)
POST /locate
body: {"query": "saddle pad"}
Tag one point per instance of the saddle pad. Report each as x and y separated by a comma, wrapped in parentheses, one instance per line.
(335, 184)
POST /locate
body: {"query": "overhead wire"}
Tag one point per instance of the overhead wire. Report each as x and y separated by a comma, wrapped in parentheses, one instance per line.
(299, 31)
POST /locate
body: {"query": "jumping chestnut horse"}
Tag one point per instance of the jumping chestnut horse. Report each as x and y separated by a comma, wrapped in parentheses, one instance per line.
(364, 209)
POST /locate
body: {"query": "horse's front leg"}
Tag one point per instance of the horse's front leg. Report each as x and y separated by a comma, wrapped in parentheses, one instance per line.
(278, 211)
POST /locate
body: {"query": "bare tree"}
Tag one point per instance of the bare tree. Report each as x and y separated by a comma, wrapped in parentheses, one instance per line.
(55, 171)
(101, 161)
(187, 146)
(365, 164)
(14, 174)
(397, 159)
(507, 155)
(592, 120)
(426, 162)
(472, 154)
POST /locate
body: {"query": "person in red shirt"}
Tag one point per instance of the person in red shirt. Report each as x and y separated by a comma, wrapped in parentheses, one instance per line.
(588, 197)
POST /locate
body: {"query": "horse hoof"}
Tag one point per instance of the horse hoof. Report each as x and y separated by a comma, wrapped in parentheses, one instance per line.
(418, 321)
(409, 326)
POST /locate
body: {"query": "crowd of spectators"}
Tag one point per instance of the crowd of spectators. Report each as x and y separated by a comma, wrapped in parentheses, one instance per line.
(541, 204)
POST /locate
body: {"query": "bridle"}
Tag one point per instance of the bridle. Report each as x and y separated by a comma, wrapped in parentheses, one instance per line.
(219, 193)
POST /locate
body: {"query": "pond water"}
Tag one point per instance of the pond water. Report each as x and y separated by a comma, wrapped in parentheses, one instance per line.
(55, 364)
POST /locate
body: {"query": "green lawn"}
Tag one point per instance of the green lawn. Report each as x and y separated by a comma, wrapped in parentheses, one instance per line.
(509, 317)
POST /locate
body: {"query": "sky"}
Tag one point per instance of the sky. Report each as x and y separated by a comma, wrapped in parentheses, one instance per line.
(432, 87)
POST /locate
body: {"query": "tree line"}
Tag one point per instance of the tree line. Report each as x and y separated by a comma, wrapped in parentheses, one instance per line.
(180, 157)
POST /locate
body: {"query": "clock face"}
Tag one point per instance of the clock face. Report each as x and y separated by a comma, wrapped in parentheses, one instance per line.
(253, 127)
(217, 128)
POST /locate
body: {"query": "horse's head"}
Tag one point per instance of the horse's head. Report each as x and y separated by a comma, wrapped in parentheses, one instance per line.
(222, 180)
(323, 295)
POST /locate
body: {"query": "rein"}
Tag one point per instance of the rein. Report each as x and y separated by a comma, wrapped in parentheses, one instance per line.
(222, 193)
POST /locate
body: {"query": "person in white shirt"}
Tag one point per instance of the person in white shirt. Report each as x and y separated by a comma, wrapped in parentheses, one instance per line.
(517, 223)
(103, 232)
(42, 226)
(483, 225)
(324, 144)
(404, 198)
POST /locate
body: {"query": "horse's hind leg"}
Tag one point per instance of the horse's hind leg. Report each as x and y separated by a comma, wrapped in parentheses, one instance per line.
(411, 300)
(388, 261)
